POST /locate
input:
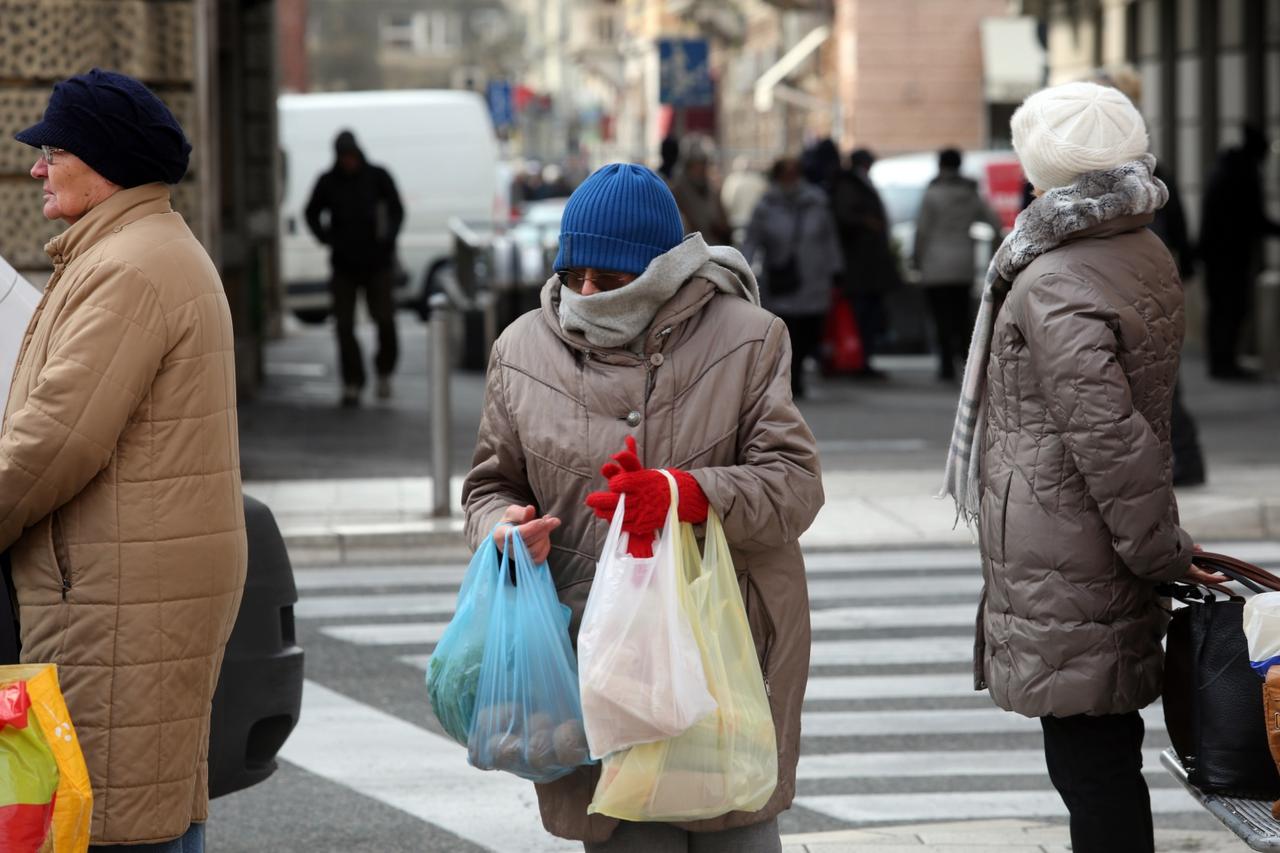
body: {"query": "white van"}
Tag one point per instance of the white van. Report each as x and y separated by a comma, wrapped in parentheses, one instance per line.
(440, 149)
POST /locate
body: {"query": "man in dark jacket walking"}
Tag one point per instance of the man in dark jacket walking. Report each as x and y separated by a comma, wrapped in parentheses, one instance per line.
(355, 210)
(1235, 221)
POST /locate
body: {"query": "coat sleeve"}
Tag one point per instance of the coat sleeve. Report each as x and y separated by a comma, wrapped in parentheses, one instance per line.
(1072, 345)
(772, 495)
(924, 229)
(316, 205)
(105, 348)
(498, 474)
(395, 208)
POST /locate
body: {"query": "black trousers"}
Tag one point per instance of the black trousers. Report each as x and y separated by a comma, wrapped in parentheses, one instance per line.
(805, 331)
(949, 305)
(868, 310)
(1228, 290)
(1096, 765)
(345, 286)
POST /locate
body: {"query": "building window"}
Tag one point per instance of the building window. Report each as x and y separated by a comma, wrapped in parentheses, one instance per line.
(489, 25)
(606, 29)
(396, 31)
(421, 33)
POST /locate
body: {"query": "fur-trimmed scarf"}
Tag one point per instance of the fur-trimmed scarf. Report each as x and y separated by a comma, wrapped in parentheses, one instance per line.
(1048, 222)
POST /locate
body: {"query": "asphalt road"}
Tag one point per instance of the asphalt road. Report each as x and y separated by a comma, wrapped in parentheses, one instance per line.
(295, 429)
(893, 731)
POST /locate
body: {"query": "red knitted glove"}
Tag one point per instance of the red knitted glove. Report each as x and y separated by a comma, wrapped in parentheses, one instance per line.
(648, 498)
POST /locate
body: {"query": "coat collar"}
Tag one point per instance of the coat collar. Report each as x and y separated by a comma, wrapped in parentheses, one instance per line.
(1112, 227)
(120, 210)
(687, 302)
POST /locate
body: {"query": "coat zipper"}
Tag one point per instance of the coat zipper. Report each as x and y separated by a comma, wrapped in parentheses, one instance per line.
(60, 556)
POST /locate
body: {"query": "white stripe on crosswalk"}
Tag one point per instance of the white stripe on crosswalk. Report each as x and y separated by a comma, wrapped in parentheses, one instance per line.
(417, 771)
(837, 618)
(907, 650)
(914, 616)
(885, 765)
(967, 805)
(816, 562)
(402, 604)
(942, 721)
(846, 687)
(365, 577)
(399, 634)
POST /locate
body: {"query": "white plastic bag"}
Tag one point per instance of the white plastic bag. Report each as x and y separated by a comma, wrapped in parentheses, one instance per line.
(639, 666)
(1262, 630)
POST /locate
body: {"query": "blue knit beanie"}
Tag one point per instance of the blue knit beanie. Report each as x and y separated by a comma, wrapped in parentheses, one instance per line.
(619, 219)
(117, 126)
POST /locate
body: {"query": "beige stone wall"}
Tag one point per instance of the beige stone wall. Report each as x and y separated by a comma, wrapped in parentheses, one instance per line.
(910, 73)
(43, 41)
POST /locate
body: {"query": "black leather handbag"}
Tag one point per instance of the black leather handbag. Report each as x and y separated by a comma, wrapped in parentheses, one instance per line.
(1212, 697)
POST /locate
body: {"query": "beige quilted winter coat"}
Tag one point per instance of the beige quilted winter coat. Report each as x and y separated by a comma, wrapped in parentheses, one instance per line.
(710, 394)
(120, 498)
(1078, 520)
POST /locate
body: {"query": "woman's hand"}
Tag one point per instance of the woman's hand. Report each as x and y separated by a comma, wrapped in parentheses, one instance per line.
(535, 531)
(1197, 575)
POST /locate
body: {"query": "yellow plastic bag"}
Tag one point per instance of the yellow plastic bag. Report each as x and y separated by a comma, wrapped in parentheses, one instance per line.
(728, 761)
(73, 804)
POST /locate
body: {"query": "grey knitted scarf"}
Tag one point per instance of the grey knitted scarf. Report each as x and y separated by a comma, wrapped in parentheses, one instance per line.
(1048, 222)
(616, 318)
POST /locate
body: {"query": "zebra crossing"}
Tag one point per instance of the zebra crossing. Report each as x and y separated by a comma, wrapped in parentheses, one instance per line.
(892, 730)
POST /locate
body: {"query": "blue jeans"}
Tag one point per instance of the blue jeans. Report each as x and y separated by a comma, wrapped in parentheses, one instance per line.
(192, 841)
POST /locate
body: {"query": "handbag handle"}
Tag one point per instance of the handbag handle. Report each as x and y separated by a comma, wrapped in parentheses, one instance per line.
(1251, 577)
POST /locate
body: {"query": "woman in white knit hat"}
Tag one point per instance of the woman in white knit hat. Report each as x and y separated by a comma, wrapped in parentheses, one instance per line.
(1060, 455)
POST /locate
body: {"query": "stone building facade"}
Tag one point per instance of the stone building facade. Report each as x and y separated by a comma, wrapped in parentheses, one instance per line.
(213, 63)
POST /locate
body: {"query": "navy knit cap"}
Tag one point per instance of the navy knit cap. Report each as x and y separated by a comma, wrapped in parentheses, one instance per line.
(117, 126)
(619, 219)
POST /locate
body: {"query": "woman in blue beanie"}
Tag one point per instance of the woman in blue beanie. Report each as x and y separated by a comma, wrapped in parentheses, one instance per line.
(653, 340)
(119, 464)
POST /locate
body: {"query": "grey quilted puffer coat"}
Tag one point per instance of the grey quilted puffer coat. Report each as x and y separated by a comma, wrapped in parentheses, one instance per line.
(1078, 520)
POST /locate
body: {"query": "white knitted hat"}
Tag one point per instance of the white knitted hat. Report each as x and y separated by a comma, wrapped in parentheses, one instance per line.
(1068, 130)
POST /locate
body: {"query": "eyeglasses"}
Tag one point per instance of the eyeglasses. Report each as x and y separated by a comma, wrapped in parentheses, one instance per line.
(575, 279)
(48, 151)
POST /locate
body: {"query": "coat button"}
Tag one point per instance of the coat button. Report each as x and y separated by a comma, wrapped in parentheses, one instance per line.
(633, 419)
(656, 359)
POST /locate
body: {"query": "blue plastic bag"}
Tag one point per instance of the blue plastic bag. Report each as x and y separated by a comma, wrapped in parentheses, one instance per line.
(528, 716)
(453, 674)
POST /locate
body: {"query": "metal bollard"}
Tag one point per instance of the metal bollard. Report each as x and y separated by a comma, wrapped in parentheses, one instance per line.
(439, 368)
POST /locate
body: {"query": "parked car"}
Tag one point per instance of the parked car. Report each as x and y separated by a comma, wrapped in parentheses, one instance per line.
(523, 253)
(440, 149)
(259, 691)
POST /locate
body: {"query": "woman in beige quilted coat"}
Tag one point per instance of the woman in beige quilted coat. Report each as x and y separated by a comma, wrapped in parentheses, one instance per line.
(119, 464)
(648, 336)
(1061, 452)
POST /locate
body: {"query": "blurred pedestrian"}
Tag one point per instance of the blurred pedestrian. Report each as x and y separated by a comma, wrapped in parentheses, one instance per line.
(652, 337)
(669, 154)
(1169, 223)
(1060, 455)
(863, 229)
(355, 210)
(944, 255)
(820, 163)
(119, 463)
(792, 238)
(740, 192)
(1235, 221)
(699, 199)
